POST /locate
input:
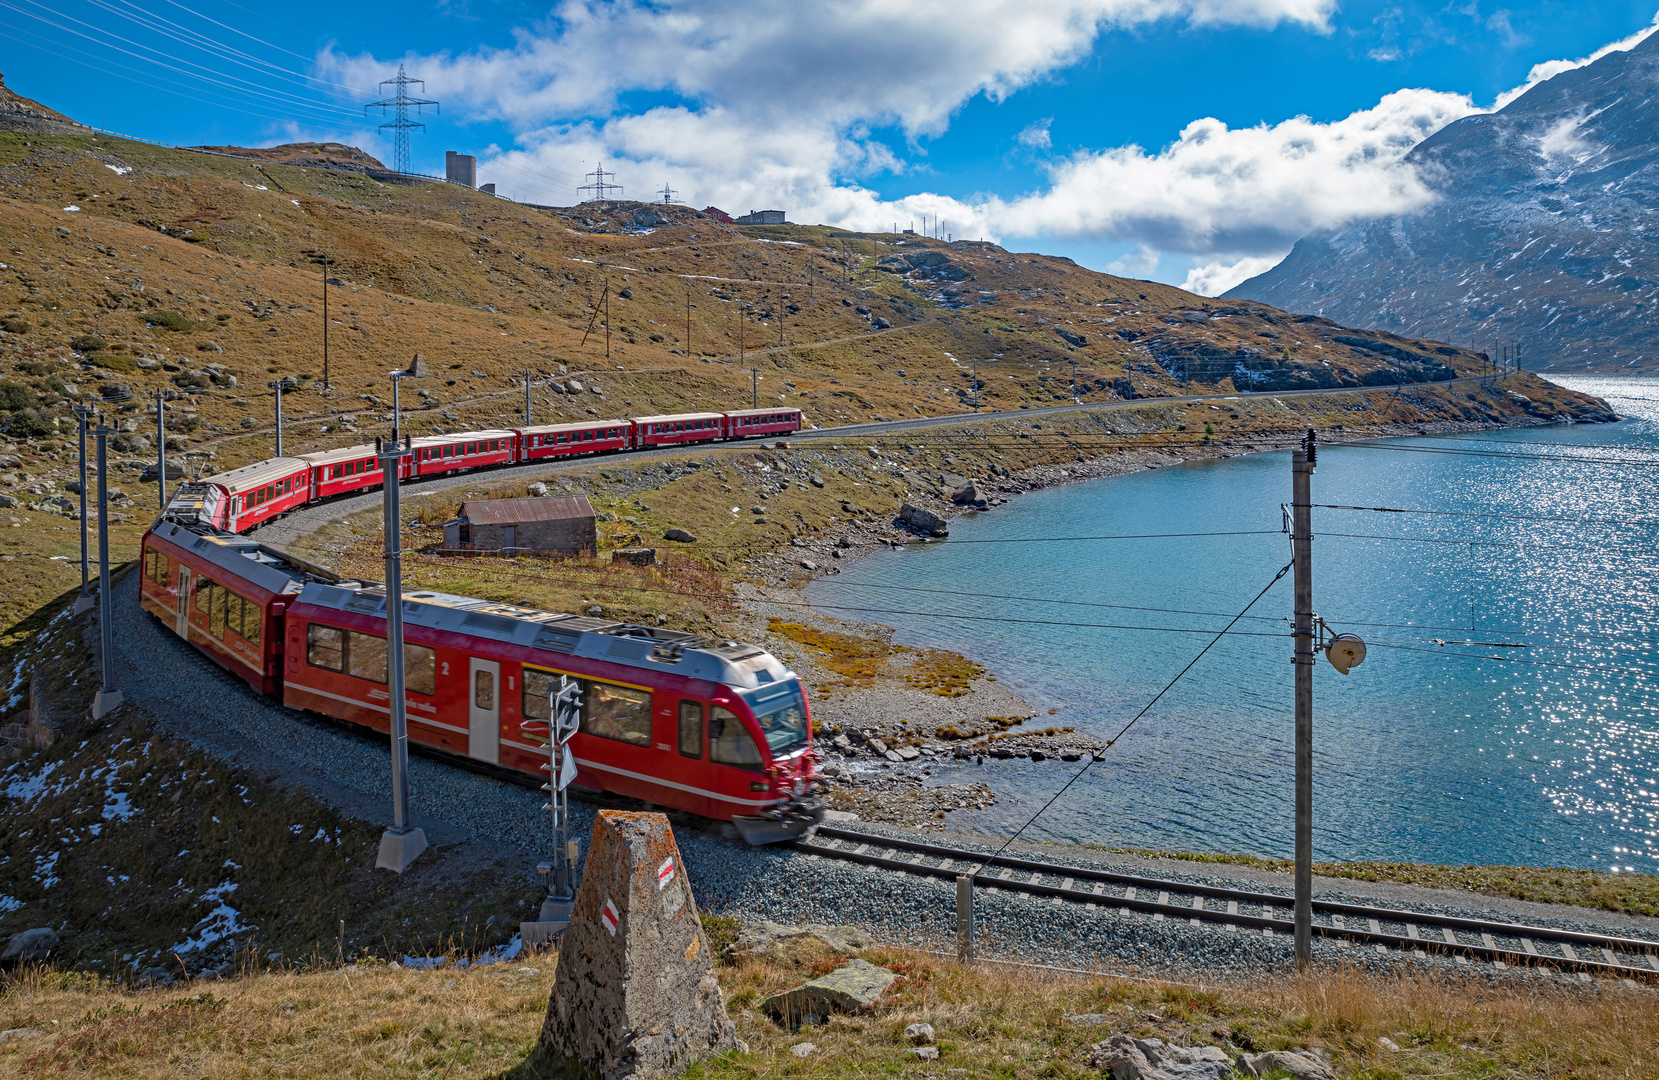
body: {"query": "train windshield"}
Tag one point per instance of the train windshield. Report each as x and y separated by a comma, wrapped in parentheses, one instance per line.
(781, 711)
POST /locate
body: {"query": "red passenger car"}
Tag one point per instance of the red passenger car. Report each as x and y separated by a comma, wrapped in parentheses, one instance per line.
(342, 472)
(748, 423)
(437, 454)
(224, 594)
(679, 428)
(565, 440)
(245, 497)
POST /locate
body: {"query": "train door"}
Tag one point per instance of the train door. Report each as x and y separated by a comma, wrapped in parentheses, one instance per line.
(181, 622)
(484, 710)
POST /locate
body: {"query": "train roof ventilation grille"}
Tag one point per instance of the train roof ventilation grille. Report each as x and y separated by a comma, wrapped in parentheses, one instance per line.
(556, 641)
(366, 603)
(490, 624)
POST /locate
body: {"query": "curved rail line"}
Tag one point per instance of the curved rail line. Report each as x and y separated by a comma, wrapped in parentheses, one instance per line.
(1504, 944)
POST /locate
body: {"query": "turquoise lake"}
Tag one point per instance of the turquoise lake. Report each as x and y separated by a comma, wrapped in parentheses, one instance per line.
(1506, 711)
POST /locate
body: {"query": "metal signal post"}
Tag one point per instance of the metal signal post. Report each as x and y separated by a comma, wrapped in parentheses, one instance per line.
(404, 841)
(161, 448)
(108, 697)
(84, 601)
(1301, 544)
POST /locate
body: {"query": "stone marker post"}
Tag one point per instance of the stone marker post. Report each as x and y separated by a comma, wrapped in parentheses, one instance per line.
(634, 996)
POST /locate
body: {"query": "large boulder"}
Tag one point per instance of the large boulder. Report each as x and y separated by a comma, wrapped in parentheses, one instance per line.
(680, 536)
(634, 995)
(854, 987)
(967, 494)
(1126, 1058)
(923, 520)
(36, 944)
(1299, 1066)
(776, 941)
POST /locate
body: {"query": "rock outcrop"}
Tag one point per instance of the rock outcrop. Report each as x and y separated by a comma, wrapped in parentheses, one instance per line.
(634, 995)
(854, 987)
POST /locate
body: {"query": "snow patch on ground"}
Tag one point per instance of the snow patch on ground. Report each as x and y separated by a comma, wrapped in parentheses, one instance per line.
(220, 923)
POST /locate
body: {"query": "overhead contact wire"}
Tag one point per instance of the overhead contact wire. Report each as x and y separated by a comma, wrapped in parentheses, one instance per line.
(1134, 720)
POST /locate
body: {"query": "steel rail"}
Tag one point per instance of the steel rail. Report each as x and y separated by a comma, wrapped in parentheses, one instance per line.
(1406, 943)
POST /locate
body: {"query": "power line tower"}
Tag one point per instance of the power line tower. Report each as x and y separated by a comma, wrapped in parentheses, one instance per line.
(667, 194)
(400, 104)
(600, 189)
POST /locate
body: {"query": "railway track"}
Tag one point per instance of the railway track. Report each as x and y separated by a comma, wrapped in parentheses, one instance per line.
(1501, 944)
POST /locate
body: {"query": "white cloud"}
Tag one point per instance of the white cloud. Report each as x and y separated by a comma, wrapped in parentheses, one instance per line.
(1036, 136)
(1549, 69)
(1243, 190)
(1140, 263)
(1213, 279)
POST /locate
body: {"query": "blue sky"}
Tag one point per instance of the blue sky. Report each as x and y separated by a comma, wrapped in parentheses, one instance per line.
(1188, 140)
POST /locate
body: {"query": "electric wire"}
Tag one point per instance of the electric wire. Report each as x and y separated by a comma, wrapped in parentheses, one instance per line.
(1487, 543)
(1133, 720)
(103, 64)
(1489, 454)
(237, 85)
(187, 36)
(1044, 622)
(1487, 514)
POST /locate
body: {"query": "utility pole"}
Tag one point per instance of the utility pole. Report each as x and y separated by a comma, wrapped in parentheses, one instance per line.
(1301, 544)
(667, 194)
(404, 841)
(976, 384)
(108, 697)
(527, 399)
(277, 386)
(754, 375)
(1074, 377)
(161, 450)
(607, 318)
(688, 320)
(400, 123)
(84, 601)
(325, 262)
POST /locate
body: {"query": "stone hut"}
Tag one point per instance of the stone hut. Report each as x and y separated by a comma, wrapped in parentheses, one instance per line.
(562, 524)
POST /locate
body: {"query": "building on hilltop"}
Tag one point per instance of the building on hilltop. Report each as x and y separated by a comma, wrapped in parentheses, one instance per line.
(560, 524)
(763, 217)
(717, 214)
(460, 168)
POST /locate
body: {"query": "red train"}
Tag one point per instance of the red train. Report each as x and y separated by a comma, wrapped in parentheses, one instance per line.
(243, 498)
(714, 728)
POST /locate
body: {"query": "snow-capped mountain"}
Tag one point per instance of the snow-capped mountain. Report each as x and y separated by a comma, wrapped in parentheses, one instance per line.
(1545, 230)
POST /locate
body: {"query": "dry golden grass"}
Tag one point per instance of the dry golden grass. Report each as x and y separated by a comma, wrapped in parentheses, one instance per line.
(1002, 1021)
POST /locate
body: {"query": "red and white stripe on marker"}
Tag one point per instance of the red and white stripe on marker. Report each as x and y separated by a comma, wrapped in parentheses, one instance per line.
(610, 917)
(665, 873)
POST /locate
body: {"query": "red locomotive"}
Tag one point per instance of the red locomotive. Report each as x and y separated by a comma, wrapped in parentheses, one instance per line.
(244, 498)
(718, 729)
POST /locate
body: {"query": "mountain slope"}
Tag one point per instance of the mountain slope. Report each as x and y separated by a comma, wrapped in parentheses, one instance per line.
(1543, 231)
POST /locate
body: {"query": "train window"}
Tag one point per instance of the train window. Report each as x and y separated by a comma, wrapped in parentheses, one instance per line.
(538, 687)
(616, 712)
(325, 647)
(449, 451)
(216, 616)
(247, 620)
(472, 448)
(691, 729)
(730, 742)
(204, 595)
(420, 669)
(483, 689)
(366, 656)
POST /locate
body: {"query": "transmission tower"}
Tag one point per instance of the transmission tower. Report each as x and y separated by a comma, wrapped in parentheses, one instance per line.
(600, 189)
(667, 194)
(400, 104)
